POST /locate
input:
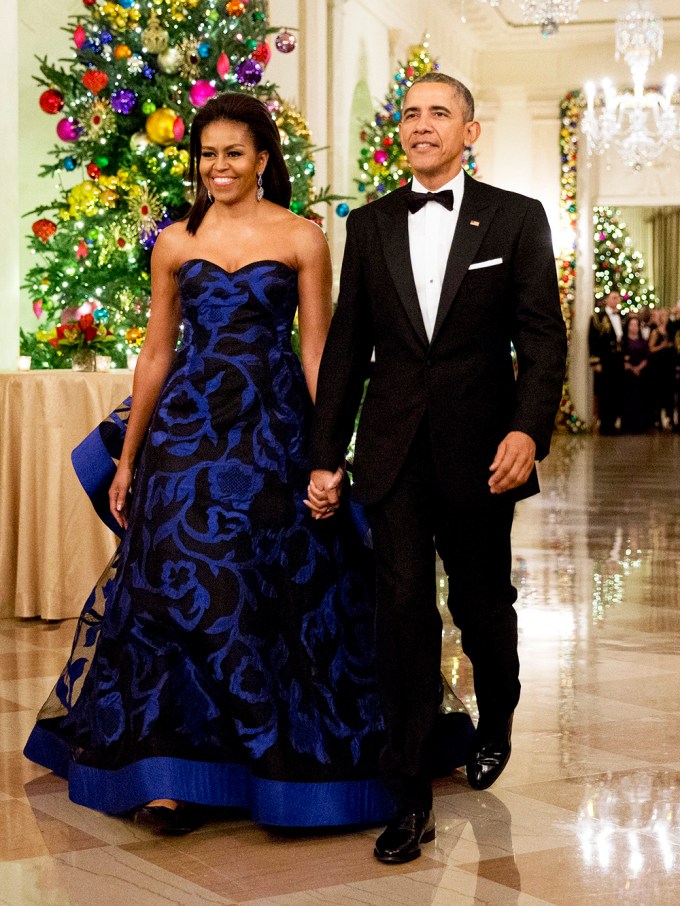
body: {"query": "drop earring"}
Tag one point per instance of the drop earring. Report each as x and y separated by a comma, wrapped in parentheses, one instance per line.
(260, 188)
(210, 198)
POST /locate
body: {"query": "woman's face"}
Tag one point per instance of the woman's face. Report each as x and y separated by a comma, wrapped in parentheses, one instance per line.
(229, 163)
(633, 328)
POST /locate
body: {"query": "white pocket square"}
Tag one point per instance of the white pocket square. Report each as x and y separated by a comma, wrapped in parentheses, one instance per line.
(489, 263)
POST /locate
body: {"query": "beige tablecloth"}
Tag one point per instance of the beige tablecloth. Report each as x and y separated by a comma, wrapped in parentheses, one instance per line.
(52, 545)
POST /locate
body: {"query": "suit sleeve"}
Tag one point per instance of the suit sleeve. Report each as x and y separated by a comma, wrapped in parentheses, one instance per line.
(345, 361)
(538, 331)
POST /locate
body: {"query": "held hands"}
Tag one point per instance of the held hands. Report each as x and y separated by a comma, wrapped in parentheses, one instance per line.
(513, 462)
(323, 492)
(118, 493)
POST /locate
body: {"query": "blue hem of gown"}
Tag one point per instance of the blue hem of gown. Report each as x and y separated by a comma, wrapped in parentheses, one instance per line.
(274, 802)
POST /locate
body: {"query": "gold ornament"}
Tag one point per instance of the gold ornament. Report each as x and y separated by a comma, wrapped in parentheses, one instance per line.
(99, 120)
(159, 126)
(190, 60)
(154, 36)
(170, 60)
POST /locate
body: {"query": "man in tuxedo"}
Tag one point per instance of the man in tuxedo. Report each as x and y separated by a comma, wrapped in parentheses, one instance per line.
(439, 279)
(606, 359)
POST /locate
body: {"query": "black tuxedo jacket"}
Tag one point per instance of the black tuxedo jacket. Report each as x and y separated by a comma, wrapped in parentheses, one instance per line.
(500, 287)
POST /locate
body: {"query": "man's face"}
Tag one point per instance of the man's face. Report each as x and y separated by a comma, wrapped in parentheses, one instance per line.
(434, 133)
(613, 301)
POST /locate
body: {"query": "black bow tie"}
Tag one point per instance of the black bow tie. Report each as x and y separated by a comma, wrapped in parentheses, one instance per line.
(418, 200)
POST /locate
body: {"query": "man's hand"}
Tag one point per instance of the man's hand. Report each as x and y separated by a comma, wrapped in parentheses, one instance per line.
(323, 492)
(513, 462)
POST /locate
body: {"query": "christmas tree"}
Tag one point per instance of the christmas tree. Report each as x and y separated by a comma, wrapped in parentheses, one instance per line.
(382, 163)
(617, 265)
(123, 103)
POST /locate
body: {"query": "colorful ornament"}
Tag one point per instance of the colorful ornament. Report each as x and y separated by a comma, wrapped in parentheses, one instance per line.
(93, 171)
(44, 229)
(68, 130)
(223, 65)
(102, 161)
(122, 52)
(169, 60)
(262, 54)
(139, 142)
(159, 126)
(89, 2)
(69, 164)
(95, 80)
(285, 41)
(38, 308)
(178, 129)
(100, 315)
(148, 107)
(380, 156)
(204, 50)
(249, 72)
(154, 37)
(51, 101)
(201, 92)
(79, 36)
(273, 105)
(82, 251)
(236, 7)
(342, 210)
(123, 101)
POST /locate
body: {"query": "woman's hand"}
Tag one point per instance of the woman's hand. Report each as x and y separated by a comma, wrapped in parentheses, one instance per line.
(118, 494)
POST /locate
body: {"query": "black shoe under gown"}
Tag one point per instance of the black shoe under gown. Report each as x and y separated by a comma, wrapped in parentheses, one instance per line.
(226, 656)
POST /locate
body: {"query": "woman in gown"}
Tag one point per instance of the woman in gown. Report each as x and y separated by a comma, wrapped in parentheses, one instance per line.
(227, 658)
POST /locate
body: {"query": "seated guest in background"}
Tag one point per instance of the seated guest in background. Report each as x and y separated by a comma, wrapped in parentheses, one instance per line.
(662, 358)
(606, 359)
(635, 409)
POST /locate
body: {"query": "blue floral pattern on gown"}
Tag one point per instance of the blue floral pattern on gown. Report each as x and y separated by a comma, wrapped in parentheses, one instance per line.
(227, 656)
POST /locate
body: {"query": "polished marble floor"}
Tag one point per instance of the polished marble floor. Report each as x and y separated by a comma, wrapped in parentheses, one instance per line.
(588, 810)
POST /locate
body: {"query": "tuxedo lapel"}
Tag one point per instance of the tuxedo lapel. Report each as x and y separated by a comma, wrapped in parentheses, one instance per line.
(474, 220)
(393, 228)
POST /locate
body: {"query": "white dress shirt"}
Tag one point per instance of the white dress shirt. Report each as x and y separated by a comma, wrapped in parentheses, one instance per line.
(614, 318)
(430, 232)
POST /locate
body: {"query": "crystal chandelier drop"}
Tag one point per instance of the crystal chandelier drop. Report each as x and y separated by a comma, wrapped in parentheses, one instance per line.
(549, 14)
(641, 124)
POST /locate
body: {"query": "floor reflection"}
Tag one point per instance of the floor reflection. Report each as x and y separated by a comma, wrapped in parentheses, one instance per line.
(588, 810)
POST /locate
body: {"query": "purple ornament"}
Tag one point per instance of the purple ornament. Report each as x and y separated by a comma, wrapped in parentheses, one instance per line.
(249, 72)
(68, 130)
(285, 42)
(273, 105)
(147, 238)
(123, 101)
(148, 72)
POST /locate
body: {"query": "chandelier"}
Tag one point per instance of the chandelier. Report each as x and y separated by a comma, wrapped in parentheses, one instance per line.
(641, 125)
(547, 14)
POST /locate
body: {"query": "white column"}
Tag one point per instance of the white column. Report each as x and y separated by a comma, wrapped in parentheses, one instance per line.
(10, 224)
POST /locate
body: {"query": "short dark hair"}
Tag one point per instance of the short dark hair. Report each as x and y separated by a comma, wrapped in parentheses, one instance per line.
(467, 102)
(239, 108)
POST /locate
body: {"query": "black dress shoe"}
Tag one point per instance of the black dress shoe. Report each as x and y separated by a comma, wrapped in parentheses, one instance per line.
(170, 821)
(401, 839)
(489, 755)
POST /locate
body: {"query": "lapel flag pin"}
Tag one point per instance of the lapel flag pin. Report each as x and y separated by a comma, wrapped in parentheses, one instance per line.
(474, 223)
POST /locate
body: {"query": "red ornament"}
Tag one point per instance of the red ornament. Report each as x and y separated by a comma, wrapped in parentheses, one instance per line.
(94, 80)
(44, 229)
(82, 251)
(387, 142)
(93, 171)
(121, 243)
(362, 135)
(144, 210)
(51, 101)
(89, 2)
(79, 36)
(262, 54)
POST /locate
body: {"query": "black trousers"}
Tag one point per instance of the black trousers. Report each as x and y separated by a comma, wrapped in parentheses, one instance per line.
(410, 525)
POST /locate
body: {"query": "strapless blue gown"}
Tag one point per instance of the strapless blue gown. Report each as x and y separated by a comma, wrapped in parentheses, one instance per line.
(226, 658)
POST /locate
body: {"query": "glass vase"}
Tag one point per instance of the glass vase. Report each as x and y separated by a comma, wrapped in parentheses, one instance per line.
(83, 360)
